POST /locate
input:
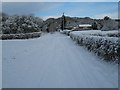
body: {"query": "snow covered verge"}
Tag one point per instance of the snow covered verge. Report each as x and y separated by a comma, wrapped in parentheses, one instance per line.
(67, 32)
(20, 36)
(98, 42)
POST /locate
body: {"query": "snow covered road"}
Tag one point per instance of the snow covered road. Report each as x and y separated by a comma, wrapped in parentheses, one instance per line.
(54, 61)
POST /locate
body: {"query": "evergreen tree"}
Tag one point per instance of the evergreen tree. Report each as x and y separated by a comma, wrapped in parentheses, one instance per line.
(94, 25)
(106, 18)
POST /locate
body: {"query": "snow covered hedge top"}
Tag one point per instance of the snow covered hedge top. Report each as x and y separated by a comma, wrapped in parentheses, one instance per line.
(20, 35)
(97, 32)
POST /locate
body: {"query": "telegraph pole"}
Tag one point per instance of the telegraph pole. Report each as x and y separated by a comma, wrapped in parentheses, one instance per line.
(63, 22)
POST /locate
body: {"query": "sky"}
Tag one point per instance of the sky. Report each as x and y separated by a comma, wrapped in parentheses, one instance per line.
(46, 10)
(60, 0)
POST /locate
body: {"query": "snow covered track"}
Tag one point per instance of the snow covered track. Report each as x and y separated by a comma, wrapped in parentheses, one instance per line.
(54, 61)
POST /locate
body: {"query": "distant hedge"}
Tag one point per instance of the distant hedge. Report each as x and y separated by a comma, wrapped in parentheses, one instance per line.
(20, 36)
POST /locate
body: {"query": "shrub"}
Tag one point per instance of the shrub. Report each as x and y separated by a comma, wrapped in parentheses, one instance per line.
(21, 24)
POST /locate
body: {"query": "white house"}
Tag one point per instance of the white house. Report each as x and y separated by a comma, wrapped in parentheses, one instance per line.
(83, 27)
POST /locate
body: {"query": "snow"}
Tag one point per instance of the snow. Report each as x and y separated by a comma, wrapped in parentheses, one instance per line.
(0, 64)
(21, 35)
(54, 61)
(85, 25)
(91, 33)
(88, 32)
(104, 46)
(66, 31)
(21, 24)
(29, 26)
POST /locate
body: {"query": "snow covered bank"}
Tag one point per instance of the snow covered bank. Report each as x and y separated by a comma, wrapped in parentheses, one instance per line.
(104, 46)
(20, 36)
(67, 32)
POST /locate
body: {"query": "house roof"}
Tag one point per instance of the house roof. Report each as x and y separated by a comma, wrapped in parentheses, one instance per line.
(85, 25)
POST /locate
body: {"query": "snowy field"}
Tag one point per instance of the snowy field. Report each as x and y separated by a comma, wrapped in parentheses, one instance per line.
(54, 61)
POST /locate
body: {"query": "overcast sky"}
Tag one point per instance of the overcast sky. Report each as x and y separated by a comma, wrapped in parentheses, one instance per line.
(55, 9)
